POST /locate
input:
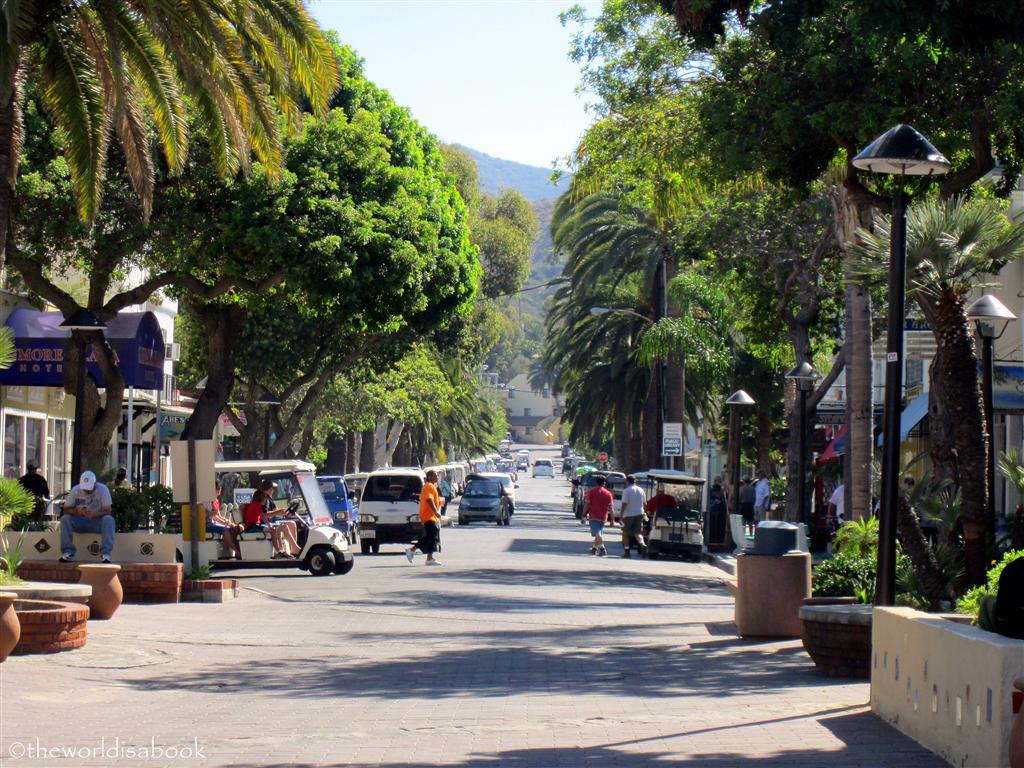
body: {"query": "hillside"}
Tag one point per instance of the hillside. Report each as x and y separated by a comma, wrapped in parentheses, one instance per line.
(532, 182)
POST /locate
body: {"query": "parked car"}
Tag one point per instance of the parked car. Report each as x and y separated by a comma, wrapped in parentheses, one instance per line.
(484, 500)
(343, 507)
(614, 482)
(508, 484)
(543, 468)
(508, 466)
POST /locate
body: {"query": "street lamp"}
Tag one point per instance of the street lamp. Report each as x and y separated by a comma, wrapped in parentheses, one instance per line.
(83, 321)
(737, 399)
(804, 375)
(270, 400)
(991, 317)
(905, 152)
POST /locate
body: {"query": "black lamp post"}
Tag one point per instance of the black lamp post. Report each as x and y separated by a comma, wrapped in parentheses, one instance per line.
(804, 375)
(737, 399)
(991, 317)
(905, 152)
(270, 400)
(81, 320)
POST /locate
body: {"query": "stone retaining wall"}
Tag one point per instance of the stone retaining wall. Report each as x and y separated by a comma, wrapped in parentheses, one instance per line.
(141, 582)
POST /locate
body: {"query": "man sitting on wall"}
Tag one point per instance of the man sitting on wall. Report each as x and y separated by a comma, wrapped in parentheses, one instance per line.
(87, 510)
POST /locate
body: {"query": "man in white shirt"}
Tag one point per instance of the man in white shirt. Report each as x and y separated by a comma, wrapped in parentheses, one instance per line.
(762, 496)
(631, 512)
(836, 503)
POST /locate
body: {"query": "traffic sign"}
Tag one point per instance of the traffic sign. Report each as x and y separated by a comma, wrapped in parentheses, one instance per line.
(672, 439)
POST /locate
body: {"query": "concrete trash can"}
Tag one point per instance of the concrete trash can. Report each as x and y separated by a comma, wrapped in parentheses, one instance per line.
(770, 589)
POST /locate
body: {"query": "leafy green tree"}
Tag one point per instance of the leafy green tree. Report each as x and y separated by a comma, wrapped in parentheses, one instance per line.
(117, 67)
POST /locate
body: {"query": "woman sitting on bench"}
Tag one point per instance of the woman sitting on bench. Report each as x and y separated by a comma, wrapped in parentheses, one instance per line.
(257, 516)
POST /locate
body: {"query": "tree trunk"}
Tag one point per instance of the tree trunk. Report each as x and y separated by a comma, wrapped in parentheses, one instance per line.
(764, 443)
(10, 141)
(650, 426)
(337, 454)
(620, 440)
(352, 443)
(801, 339)
(222, 325)
(960, 377)
(367, 451)
(100, 421)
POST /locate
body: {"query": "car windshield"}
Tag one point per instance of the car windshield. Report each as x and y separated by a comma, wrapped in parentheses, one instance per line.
(392, 488)
(542, 463)
(482, 488)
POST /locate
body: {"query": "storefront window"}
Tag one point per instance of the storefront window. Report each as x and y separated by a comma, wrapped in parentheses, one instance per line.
(14, 442)
(58, 456)
(34, 441)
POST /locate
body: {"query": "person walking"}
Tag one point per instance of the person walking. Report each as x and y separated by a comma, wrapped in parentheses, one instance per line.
(747, 497)
(762, 496)
(631, 514)
(598, 506)
(430, 516)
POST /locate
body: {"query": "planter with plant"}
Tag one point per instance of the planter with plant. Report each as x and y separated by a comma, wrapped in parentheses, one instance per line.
(198, 587)
(10, 559)
(17, 507)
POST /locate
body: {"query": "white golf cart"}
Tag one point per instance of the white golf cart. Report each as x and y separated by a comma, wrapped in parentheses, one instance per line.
(675, 524)
(324, 548)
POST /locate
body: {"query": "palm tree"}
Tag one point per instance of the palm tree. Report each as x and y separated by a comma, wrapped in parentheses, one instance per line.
(951, 245)
(1011, 465)
(122, 67)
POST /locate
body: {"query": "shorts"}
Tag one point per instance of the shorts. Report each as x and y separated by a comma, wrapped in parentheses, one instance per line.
(216, 527)
(632, 527)
(596, 527)
(747, 511)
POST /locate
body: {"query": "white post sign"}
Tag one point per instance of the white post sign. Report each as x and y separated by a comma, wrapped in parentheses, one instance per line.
(672, 439)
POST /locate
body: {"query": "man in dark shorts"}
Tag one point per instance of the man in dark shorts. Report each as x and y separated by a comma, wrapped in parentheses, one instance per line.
(599, 508)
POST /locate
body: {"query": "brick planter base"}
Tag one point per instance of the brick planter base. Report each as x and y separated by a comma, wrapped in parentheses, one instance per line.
(838, 639)
(50, 627)
(141, 582)
(209, 590)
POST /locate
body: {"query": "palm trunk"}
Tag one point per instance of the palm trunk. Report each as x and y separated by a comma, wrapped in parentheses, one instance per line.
(10, 141)
(650, 429)
(620, 441)
(963, 398)
(921, 556)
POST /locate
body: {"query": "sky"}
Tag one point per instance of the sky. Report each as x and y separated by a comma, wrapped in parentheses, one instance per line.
(493, 75)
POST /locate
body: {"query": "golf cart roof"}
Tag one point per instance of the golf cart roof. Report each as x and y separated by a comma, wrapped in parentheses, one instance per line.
(674, 476)
(264, 465)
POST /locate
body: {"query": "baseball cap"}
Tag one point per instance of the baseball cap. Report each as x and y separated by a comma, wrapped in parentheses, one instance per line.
(88, 481)
(31, 464)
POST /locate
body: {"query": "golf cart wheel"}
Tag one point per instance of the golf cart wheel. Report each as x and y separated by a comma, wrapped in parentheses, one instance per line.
(321, 561)
(344, 566)
(364, 546)
(375, 546)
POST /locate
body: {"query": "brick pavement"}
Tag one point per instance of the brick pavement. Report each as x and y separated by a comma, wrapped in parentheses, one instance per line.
(520, 651)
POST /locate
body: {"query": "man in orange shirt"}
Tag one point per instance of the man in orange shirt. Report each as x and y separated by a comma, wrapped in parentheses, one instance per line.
(430, 516)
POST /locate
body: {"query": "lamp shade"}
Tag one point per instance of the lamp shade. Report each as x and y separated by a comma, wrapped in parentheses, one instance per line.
(902, 150)
(83, 320)
(739, 397)
(990, 315)
(804, 372)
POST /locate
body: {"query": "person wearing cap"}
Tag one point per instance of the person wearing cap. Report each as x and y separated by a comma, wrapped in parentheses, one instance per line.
(35, 484)
(87, 510)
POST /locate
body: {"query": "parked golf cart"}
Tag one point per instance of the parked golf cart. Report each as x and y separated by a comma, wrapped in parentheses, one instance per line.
(674, 499)
(324, 549)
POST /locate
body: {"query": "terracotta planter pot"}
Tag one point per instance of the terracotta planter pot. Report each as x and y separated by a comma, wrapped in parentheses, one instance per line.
(10, 627)
(106, 589)
(838, 639)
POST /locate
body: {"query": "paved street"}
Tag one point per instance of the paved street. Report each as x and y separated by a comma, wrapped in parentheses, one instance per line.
(521, 650)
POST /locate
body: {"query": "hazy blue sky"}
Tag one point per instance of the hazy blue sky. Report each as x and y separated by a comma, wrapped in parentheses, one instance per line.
(490, 74)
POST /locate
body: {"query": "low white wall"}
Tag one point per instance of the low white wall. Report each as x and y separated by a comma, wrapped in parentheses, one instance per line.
(128, 547)
(946, 685)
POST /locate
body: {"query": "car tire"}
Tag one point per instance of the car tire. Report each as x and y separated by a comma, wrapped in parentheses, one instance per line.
(341, 567)
(321, 561)
(364, 546)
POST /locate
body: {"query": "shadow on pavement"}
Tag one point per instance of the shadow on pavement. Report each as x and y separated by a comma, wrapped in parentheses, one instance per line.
(861, 735)
(726, 670)
(583, 579)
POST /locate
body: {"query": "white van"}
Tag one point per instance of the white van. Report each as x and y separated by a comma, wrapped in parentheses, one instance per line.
(389, 508)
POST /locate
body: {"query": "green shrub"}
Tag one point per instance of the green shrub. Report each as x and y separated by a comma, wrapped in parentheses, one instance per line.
(160, 500)
(971, 601)
(130, 510)
(199, 573)
(17, 505)
(845, 575)
(857, 537)
(11, 557)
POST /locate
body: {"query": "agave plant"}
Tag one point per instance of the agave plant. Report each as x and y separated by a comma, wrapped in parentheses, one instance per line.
(1011, 465)
(857, 537)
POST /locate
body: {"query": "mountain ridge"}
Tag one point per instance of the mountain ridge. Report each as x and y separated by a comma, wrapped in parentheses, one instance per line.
(531, 181)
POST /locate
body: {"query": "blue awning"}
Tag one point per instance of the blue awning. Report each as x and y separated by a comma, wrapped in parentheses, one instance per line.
(911, 417)
(135, 337)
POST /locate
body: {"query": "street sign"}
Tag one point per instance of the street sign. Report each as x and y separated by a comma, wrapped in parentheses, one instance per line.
(602, 456)
(672, 439)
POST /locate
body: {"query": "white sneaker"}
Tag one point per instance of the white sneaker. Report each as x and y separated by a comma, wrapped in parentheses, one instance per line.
(433, 562)
(410, 554)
